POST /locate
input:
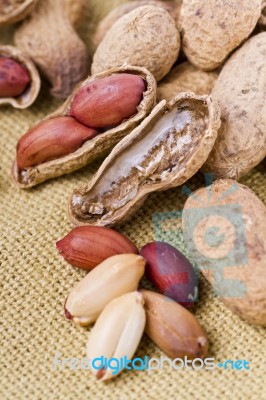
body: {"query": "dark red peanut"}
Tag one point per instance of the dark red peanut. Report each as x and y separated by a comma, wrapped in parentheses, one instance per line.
(106, 102)
(87, 246)
(170, 272)
(51, 139)
(14, 78)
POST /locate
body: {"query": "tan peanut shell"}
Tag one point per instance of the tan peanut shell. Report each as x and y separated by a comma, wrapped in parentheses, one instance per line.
(48, 37)
(171, 6)
(262, 20)
(145, 37)
(163, 152)
(95, 147)
(239, 218)
(212, 29)
(74, 11)
(240, 92)
(12, 11)
(30, 94)
(184, 77)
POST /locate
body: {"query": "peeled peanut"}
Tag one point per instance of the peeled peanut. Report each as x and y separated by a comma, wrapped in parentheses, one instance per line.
(51, 139)
(117, 332)
(115, 276)
(87, 246)
(108, 101)
(14, 78)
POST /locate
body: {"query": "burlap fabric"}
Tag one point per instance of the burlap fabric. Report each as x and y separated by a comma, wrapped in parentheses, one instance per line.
(35, 281)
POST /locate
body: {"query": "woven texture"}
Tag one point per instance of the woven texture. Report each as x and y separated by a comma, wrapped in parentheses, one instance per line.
(35, 281)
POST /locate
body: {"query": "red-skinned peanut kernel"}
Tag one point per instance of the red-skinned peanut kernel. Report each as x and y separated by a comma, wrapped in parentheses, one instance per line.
(170, 272)
(87, 246)
(14, 78)
(107, 102)
(51, 139)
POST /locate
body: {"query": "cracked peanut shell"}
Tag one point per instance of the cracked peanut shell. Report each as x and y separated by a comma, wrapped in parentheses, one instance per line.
(228, 244)
(211, 30)
(240, 92)
(93, 148)
(32, 90)
(163, 152)
(12, 11)
(145, 37)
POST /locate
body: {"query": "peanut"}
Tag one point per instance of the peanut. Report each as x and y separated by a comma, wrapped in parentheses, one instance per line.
(14, 78)
(87, 246)
(115, 276)
(117, 332)
(51, 139)
(108, 101)
(173, 328)
(49, 39)
(170, 272)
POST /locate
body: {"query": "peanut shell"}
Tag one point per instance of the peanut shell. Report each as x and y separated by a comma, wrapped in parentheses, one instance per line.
(262, 20)
(171, 6)
(12, 11)
(184, 77)
(145, 37)
(95, 147)
(58, 51)
(228, 245)
(211, 30)
(240, 92)
(30, 94)
(163, 152)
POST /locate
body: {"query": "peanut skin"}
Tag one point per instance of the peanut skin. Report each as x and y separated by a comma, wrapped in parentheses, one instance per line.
(14, 78)
(51, 139)
(87, 246)
(108, 101)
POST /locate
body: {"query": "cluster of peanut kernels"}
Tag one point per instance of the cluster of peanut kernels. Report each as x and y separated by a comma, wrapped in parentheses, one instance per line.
(108, 296)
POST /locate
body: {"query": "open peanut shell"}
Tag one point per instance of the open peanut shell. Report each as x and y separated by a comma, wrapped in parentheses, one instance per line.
(168, 148)
(95, 147)
(30, 94)
(12, 11)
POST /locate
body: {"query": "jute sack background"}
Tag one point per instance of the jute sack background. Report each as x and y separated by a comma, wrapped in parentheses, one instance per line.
(35, 281)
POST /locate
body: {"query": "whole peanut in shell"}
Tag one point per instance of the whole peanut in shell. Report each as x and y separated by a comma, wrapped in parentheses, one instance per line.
(225, 227)
(240, 93)
(212, 29)
(173, 7)
(49, 38)
(145, 37)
